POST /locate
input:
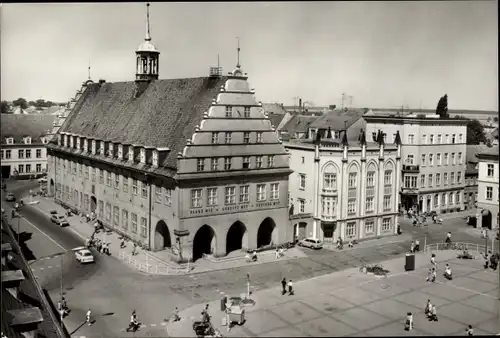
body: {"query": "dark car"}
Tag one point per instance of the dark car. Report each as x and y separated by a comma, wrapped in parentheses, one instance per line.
(10, 197)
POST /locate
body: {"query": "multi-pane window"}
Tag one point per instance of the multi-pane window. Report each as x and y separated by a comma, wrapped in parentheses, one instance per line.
(330, 181)
(422, 181)
(28, 153)
(451, 197)
(8, 154)
(422, 162)
(489, 193)
(246, 137)
(328, 205)
(117, 181)
(116, 216)
(244, 193)
(431, 139)
(196, 198)
(302, 205)
(214, 163)
(410, 182)
(247, 112)
(350, 229)
(369, 206)
(387, 203)
(388, 177)
(144, 227)
(134, 187)
(453, 138)
(38, 153)
(369, 226)
(438, 158)
(134, 223)
(491, 170)
(259, 137)
(227, 137)
(430, 181)
(258, 161)
(28, 168)
(445, 178)
(125, 219)
(351, 206)
(211, 196)
(200, 164)
(270, 161)
(302, 181)
(410, 159)
(460, 158)
(125, 184)
(370, 179)
(215, 138)
(246, 162)
(101, 176)
(261, 192)
(457, 198)
(386, 224)
(108, 212)
(411, 139)
(227, 163)
(438, 179)
(38, 168)
(230, 195)
(436, 201)
(229, 111)
(453, 159)
(459, 177)
(275, 191)
(443, 200)
(93, 174)
(452, 178)
(158, 196)
(445, 159)
(20, 153)
(144, 190)
(431, 159)
(168, 197)
(370, 191)
(108, 178)
(439, 139)
(352, 182)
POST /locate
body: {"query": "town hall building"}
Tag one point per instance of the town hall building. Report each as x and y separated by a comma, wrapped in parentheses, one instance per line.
(191, 165)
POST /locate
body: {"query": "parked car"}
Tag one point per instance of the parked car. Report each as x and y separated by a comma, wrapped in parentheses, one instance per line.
(311, 243)
(59, 220)
(84, 256)
(10, 197)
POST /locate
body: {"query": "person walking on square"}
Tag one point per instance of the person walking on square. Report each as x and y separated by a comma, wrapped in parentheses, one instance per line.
(417, 246)
(89, 313)
(277, 253)
(434, 316)
(409, 322)
(290, 288)
(433, 261)
(469, 330)
(412, 247)
(283, 286)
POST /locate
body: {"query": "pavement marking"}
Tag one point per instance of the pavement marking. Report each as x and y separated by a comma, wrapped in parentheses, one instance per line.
(163, 324)
(144, 325)
(41, 268)
(34, 226)
(153, 324)
(50, 266)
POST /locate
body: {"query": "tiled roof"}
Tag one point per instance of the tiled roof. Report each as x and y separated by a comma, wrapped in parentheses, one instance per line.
(336, 119)
(276, 119)
(490, 151)
(164, 115)
(473, 150)
(19, 126)
(298, 123)
(274, 108)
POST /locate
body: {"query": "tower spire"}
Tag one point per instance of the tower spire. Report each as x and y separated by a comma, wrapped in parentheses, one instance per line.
(89, 70)
(148, 35)
(238, 64)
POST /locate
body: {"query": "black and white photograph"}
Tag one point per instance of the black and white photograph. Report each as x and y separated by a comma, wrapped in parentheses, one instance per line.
(249, 169)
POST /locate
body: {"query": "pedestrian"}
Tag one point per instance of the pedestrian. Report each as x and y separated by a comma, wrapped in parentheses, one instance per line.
(433, 261)
(409, 322)
(87, 243)
(283, 286)
(434, 316)
(122, 244)
(134, 252)
(99, 246)
(428, 308)
(469, 330)
(89, 313)
(277, 253)
(412, 247)
(106, 248)
(417, 246)
(290, 288)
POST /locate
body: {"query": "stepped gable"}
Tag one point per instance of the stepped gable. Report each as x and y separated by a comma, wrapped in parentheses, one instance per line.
(163, 115)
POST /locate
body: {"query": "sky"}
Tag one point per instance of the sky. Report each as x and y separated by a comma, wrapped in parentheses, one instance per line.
(383, 54)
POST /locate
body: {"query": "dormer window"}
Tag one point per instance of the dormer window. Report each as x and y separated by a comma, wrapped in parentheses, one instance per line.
(9, 140)
(155, 158)
(78, 143)
(143, 155)
(131, 154)
(101, 148)
(44, 140)
(85, 145)
(65, 140)
(27, 140)
(71, 142)
(94, 146)
(120, 151)
(111, 150)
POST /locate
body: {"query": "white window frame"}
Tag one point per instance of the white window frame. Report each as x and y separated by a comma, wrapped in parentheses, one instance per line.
(212, 197)
(215, 138)
(228, 112)
(144, 227)
(275, 191)
(330, 181)
(228, 163)
(261, 192)
(259, 137)
(246, 112)
(302, 181)
(200, 164)
(350, 229)
(228, 137)
(270, 161)
(168, 196)
(244, 193)
(196, 198)
(246, 137)
(386, 224)
(489, 193)
(230, 195)
(369, 226)
(258, 161)
(133, 217)
(214, 163)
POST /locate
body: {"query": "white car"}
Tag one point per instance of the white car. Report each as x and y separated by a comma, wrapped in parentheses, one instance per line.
(84, 256)
(311, 243)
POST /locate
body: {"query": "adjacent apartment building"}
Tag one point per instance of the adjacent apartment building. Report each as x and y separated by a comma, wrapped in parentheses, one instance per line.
(190, 165)
(22, 147)
(344, 187)
(433, 159)
(488, 194)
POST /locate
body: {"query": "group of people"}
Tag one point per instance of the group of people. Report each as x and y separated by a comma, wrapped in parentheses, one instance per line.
(62, 307)
(285, 285)
(279, 252)
(100, 245)
(251, 257)
(340, 243)
(415, 246)
(432, 274)
(491, 260)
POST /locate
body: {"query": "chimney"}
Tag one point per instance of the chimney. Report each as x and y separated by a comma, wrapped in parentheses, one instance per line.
(25, 320)
(300, 104)
(6, 248)
(11, 279)
(101, 82)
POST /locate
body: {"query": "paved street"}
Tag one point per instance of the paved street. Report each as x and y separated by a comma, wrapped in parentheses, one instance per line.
(155, 297)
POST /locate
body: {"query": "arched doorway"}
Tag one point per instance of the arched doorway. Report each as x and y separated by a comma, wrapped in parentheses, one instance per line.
(93, 203)
(51, 187)
(265, 232)
(204, 242)
(486, 219)
(162, 236)
(236, 238)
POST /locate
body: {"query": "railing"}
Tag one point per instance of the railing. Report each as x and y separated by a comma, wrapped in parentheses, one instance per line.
(456, 246)
(158, 269)
(411, 167)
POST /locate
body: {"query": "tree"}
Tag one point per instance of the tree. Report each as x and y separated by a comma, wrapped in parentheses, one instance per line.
(5, 107)
(475, 132)
(442, 107)
(31, 103)
(20, 102)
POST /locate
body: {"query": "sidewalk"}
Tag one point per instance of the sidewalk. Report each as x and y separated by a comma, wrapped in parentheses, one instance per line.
(305, 290)
(371, 242)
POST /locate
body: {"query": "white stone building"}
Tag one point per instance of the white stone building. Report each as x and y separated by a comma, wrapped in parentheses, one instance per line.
(488, 194)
